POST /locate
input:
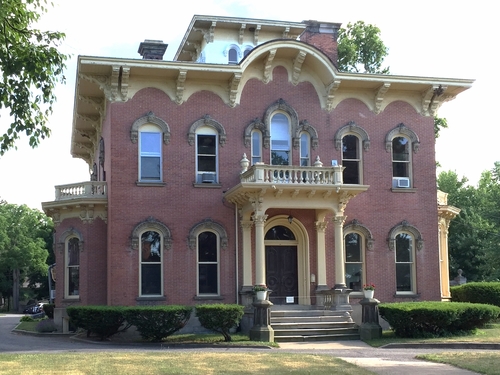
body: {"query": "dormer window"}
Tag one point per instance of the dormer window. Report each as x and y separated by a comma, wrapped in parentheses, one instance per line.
(232, 56)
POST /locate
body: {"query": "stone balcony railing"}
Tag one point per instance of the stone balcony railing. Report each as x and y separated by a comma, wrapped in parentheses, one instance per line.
(82, 190)
(289, 174)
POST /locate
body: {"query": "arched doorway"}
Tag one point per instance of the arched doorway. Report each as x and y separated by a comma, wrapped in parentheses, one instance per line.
(287, 261)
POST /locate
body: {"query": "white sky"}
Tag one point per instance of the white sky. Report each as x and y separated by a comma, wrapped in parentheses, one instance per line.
(437, 38)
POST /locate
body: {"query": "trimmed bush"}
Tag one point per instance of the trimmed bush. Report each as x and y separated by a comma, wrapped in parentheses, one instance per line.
(104, 321)
(48, 309)
(46, 325)
(26, 318)
(157, 322)
(431, 319)
(477, 292)
(220, 317)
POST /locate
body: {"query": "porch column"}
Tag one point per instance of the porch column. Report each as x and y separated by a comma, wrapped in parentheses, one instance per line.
(246, 227)
(260, 253)
(339, 252)
(320, 240)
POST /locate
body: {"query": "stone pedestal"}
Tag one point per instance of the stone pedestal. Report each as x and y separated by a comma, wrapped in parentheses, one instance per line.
(262, 330)
(341, 298)
(370, 327)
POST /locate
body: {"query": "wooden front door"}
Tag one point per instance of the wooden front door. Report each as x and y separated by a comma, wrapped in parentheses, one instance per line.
(281, 273)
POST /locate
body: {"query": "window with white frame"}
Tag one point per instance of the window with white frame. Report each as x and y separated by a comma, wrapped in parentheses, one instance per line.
(208, 263)
(206, 155)
(305, 149)
(354, 261)
(256, 145)
(72, 274)
(150, 153)
(232, 56)
(405, 262)
(280, 140)
(351, 159)
(401, 162)
(151, 260)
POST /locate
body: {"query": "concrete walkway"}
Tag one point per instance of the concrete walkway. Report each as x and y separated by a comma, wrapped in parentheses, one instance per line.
(384, 361)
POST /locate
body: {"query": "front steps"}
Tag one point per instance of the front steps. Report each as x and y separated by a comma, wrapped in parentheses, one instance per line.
(303, 324)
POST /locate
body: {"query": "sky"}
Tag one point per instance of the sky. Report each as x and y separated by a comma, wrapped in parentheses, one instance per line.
(438, 38)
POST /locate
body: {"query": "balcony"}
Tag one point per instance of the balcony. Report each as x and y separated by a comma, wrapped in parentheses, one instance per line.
(85, 200)
(288, 186)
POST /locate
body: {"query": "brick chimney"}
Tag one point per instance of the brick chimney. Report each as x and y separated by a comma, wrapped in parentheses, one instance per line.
(152, 49)
(322, 35)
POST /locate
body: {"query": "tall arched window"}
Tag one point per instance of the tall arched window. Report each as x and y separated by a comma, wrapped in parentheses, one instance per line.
(256, 146)
(280, 140)
(150, 153)
(208, 263)
(72, 274)
(401, 162)
(405, 263)
(232, 56)
(354, 261)
(206, 155)
(151, 260)
(351, 159)
(305, 149)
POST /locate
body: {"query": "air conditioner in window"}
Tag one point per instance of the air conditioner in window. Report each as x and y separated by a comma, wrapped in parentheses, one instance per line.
(400, 182)
(208, 178)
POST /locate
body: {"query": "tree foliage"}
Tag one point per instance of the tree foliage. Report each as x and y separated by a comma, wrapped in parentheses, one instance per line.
(360, 48)
(474, 235)
(23, 246)
(30, 68)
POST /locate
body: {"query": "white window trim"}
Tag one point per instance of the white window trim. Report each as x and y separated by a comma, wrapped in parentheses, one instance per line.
(363, 259)
(162, 254)
(67, 269)
(206, 130)
(149, 128)
(198, 265)
(412, 263)
(359, 160)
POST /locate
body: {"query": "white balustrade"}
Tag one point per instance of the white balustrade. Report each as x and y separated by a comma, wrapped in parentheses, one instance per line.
(289, 174)
(87, 189)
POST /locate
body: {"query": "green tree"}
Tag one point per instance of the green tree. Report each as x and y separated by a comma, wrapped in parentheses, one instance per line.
(439, 123)
(23, 249)
(360, 48)
(30, 68)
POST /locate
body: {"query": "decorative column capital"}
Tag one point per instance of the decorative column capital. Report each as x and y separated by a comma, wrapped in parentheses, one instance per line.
(320, 226)
(339, 220)
(246, 224)
(259, 219)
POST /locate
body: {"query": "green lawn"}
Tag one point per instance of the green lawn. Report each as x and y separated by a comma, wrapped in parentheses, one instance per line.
(174, 363)
(487, 362)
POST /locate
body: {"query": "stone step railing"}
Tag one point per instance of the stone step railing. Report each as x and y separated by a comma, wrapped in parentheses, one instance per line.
(87, 189)
(288, 174)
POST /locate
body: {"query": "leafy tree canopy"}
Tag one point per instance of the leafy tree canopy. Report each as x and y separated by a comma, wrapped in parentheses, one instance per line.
(30, 68)
(360, 48)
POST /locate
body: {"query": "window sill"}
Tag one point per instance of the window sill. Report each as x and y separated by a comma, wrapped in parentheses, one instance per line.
(210, 186)
(403, 190)
(155, 184)
(408, 295)
(201, 298)
(71, 299)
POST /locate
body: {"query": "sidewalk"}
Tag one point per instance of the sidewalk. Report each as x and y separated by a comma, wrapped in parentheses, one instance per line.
(388, 362)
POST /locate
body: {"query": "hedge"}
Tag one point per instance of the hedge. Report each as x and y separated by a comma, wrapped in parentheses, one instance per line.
(220, 317)
(477, 292)
(425, 319)
(104, 321)
(154, 323)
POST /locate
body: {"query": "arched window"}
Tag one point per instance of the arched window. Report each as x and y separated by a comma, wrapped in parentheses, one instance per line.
(405, 263)
(206, 155)
(280, 140)
(150, 153)
(151, 261)
(354, 245)
(208, 263)
(351, 159)
(305, 149)
(232, 55)
(72, 269)
(402, 142)
(256, 146)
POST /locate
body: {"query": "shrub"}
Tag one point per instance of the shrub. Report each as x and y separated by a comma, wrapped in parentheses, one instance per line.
(424, 319)
(104, 321)
(477, 292)
(48, 309)
(26, 318)
(220, 317)
(46, 325)
(157, 322)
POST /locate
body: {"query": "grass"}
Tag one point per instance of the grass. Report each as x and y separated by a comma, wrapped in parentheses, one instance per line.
(488, 334)
(482, 362)
(175, 363)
